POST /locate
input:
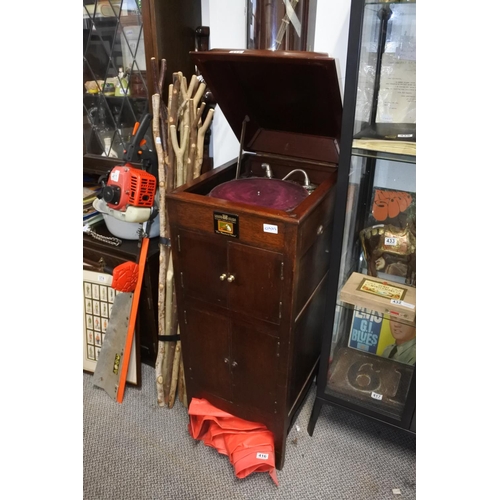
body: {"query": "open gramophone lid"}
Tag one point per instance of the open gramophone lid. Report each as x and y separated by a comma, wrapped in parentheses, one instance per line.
(292, 100)
(270, 193)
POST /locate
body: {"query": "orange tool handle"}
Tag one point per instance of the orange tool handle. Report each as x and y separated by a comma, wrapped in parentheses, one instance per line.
(133, 316)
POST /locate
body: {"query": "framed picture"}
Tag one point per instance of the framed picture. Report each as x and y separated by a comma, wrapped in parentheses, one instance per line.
(98, 299)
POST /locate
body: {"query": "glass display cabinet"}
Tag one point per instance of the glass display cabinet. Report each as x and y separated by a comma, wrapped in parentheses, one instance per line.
(114, 75)
(368, 360)
(119, 39)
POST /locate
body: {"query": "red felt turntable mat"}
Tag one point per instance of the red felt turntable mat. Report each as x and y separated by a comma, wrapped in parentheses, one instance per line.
(270, 193)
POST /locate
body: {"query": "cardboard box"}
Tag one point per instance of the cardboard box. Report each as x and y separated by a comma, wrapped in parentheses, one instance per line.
(381, 295)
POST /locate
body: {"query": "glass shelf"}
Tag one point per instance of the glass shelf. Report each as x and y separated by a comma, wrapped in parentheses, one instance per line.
(384, 155)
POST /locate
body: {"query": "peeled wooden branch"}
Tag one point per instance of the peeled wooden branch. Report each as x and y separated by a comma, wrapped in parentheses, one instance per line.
(175, 374)
(201, 138)
(183, 88)
(175, 101)
(182, 152)
(179, 152)
(160, 136)
(171, 329)
(166, 349)
(181, 385)
(183, 97)
(189, 117)
(163, 250)
(160, 369)
(193, 140)
(191, 149)
(163, 108)
(173, 118)
(163, 72)
(199, 94)
(170, 94)
(156, 79)
(193, 86)
(184, 128)
(169, 293)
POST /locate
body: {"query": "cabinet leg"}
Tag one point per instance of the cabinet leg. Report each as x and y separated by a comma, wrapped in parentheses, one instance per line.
(279, 446)
(318, 404)
(279, 459)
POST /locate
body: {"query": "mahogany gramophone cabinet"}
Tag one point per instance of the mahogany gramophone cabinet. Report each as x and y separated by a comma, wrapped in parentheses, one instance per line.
(251, 239)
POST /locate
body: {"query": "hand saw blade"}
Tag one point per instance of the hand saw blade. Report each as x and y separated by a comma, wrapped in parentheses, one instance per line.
(108, 367)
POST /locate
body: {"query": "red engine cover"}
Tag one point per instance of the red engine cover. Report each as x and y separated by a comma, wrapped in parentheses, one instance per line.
(137, 187)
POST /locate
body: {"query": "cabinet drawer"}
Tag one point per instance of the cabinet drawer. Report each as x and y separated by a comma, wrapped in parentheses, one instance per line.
(108, 260)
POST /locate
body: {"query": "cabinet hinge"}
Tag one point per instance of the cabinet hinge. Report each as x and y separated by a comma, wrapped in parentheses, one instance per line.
(277, 349)
(282, 271)
(185, 317)
(179, 242)
(182, 279)
(279, 314)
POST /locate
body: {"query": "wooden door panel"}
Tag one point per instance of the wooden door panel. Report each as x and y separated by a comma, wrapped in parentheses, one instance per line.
(205, 345)
(257, 286)
(202, 261)
(254, 361)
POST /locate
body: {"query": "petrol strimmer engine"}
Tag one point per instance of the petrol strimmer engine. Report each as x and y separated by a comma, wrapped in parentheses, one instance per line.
(128, 193)
(129, 186)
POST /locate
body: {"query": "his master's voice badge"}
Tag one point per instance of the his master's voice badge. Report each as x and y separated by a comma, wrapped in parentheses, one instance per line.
(226, 224)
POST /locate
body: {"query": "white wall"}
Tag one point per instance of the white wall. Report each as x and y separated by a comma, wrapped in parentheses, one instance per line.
(227, 22)
(332, 26)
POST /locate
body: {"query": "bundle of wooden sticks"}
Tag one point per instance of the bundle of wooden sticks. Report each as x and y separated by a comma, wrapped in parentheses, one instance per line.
(179, 134)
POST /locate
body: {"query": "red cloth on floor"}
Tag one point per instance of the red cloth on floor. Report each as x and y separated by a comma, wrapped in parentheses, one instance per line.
(249, 445)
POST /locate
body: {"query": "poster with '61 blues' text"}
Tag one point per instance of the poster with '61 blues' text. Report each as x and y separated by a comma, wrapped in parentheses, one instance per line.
(366, 330)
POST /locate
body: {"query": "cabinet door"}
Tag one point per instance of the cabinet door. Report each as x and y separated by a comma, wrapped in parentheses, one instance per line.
(202, 260)
(256, 288)
(254, 364)
(206, 351)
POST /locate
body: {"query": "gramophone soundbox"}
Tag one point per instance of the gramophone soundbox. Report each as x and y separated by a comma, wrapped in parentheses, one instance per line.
(251, 239)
